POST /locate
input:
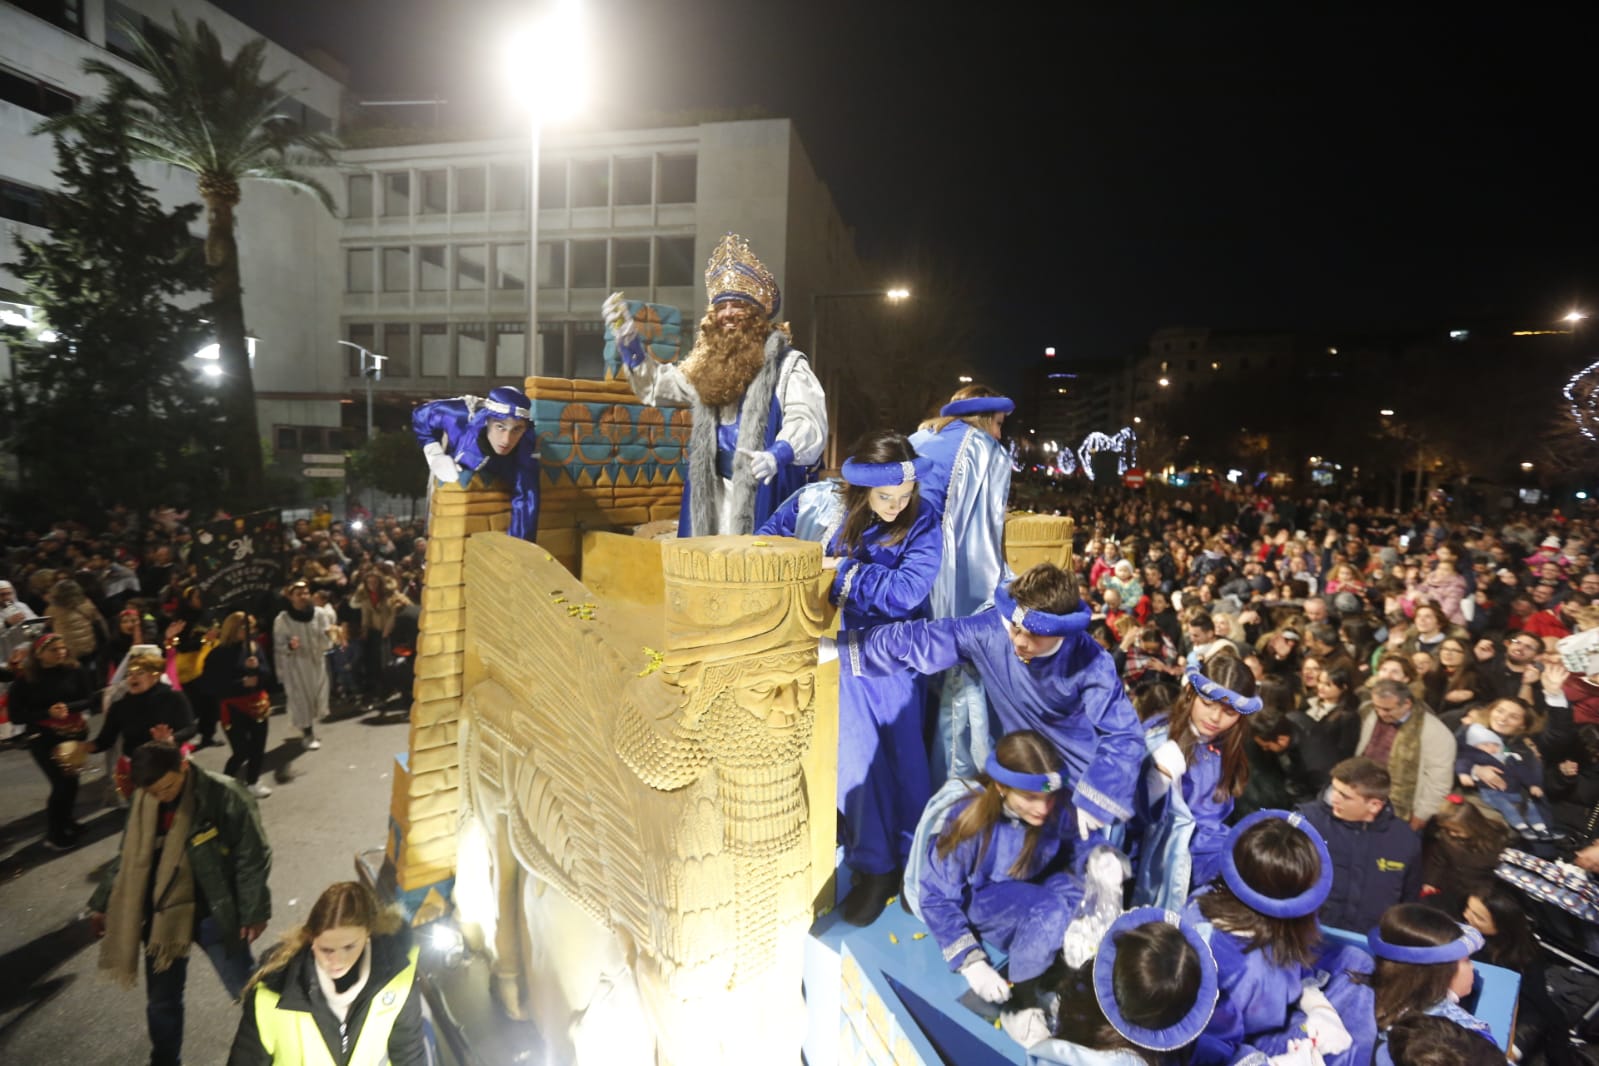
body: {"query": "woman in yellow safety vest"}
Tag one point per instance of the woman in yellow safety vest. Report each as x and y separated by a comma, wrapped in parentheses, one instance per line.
(339, 991)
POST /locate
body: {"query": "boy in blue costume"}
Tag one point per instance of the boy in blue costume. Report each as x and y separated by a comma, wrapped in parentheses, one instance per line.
(490, 437)
(1041, 671)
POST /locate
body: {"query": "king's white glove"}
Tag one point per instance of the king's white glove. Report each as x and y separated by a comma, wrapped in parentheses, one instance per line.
(616, 315)
(1322, 1023)
(1087, 823)
(763, 465)
(444, 468)
(985, 980)
(827, 651)
(1169, 760)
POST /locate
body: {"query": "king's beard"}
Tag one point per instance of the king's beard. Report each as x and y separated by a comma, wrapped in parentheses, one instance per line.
(725, 359)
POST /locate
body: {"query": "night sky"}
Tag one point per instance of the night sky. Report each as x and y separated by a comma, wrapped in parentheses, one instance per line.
(1107, 174)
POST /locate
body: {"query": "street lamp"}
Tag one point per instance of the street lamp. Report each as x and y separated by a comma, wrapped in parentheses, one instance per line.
(546, 66)
(965, 379)
(1574, 316)
(1163, 382)
(1387, 412)
(893, 295)
(372, 373)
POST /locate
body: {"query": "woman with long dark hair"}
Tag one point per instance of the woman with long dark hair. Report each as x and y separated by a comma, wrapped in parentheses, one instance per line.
(1197, 765)
(884, 548)
(51, 699)
(1329, 727)
(237, 675)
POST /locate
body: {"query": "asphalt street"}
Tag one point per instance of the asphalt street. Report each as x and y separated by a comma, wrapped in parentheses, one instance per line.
(55, 1006)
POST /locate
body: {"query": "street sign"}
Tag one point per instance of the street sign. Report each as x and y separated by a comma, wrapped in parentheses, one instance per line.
(1134, 478)
(323, 460)
(324, 471)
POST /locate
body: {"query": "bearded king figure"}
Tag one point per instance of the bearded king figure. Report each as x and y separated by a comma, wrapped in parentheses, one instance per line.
(760, 417)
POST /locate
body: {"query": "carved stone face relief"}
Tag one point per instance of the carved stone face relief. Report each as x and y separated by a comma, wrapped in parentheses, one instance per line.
(776, 692)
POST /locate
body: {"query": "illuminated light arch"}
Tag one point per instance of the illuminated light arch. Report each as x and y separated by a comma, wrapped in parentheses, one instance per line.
(1123, 443)
(1582, 393)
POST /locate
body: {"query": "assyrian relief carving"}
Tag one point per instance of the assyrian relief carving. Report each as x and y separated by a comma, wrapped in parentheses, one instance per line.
(648, 769)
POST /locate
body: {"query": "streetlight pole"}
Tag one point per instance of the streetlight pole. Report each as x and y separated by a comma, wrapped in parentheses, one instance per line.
(829, 379)
(372, 372)
(531, 361)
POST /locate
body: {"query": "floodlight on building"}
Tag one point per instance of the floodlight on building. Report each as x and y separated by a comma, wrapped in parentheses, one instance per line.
(896, 295)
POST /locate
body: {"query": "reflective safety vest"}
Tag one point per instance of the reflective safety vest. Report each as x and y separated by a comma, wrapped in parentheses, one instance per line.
(292, 1038)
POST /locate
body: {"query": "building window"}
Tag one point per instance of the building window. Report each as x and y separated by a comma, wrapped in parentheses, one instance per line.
(360, 188)
(33, 95)
(471, 347)
(435, 350)
(588, 350)
(510, 266)
(471, 267)
(435, 192)
(396, 270)
(552, 185)
(632, 181)
(470, 193)
(22, 203)
(588, 264)
(364, 334)
(433, 273)
(630, 264)
(68, 14)
(358, 264)
(508, 187)
(591, 183)
(286, 439)
(397, 346)
(552, 265)
(553, 339)
(397, 194)
(678, 173)
(674, 260)
(510, 354)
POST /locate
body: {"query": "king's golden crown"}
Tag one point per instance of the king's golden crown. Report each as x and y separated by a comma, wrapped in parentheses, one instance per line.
(733, 271)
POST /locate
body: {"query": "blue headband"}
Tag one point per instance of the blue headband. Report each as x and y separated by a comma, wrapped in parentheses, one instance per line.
(1469, 942)
(1040, 623)
(978, 405)
(1308, 901)
(1015, 779)
(1186, 1029)
(1219, 694)
(883, 475)
(508, 402)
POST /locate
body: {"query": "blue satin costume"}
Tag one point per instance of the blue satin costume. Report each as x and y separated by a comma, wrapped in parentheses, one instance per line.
(1073, 697)
(883, 781)
(1444, 1008)
(1258, 1008)
(1176, 841)
(970, 895)
(450, 421)
(969, 485)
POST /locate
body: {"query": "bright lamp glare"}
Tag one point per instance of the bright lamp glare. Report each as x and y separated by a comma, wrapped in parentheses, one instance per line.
(210, 351)
(49, 336)
(212, 370)
(546, 63)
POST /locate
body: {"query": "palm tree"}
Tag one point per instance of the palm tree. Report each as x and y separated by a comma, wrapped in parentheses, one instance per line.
(220, 119)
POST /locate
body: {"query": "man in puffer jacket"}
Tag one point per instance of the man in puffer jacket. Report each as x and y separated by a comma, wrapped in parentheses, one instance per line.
(1376, 855)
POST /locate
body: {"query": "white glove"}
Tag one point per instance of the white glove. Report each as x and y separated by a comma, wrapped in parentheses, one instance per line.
(1322, 1024)
(1299, 1053)
(444, 468)
(1026, 1027)
(986, 981)
(1087, 823)
(827, 652)
(763, 465)
(616, 315)
(1169, 760)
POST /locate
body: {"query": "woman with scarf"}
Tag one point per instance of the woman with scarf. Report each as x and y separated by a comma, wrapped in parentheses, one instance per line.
(50, 700)
(341, 988)
(237, 675)
(884, 548)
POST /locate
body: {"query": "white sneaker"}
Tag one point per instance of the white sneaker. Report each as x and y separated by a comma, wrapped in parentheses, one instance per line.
(313, 744)
(259, 791)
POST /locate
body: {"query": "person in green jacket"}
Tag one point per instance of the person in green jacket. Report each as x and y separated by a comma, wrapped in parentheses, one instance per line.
(339, 991)
(192, 869)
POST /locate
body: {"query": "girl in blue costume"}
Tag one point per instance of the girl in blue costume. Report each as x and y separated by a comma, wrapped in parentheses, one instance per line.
(1197, 764)
(884, 545)
(1260, 919)
(491, 436)
(1142, 1000)
(997, 868)
(1423, 967)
